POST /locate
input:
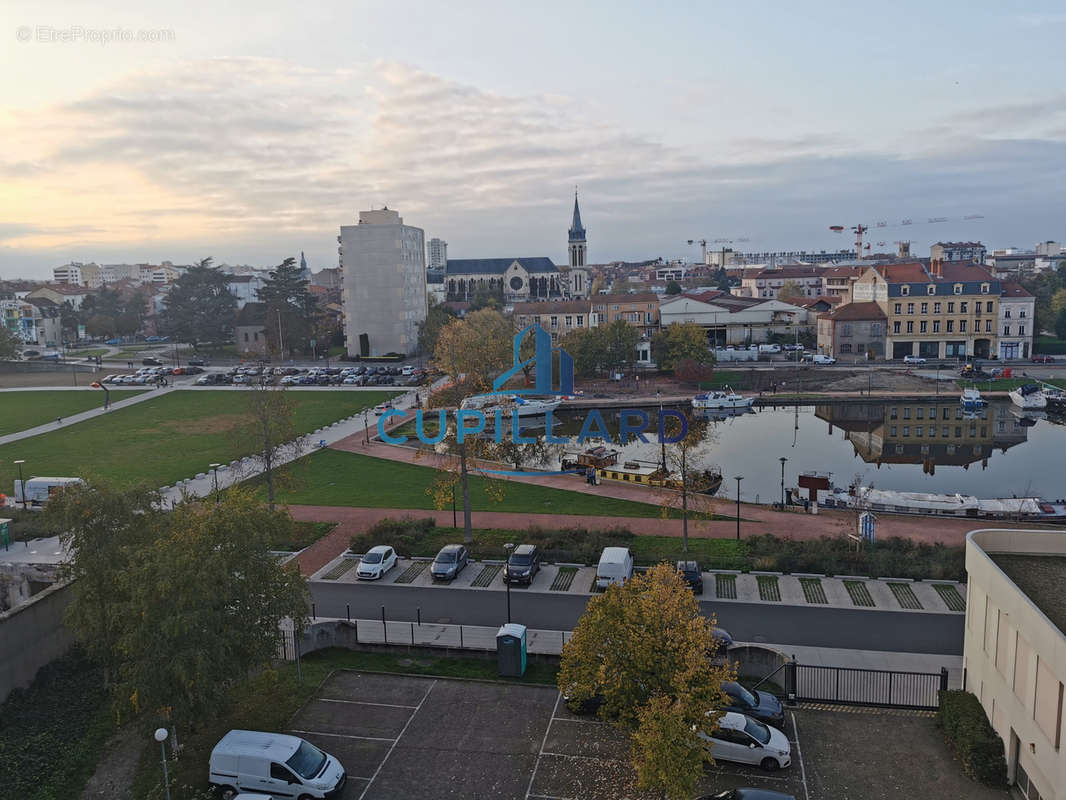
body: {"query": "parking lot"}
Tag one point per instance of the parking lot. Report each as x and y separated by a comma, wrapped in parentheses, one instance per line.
(415, 737)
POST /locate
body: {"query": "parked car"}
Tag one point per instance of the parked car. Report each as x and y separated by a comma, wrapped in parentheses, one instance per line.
(114, 341)
(742, 793)
(109, 379)
(207, 380)
(913, 360)
(769, 348)
(691, 575)
(377, 561)
(523, 564)
(192, 369)
(151, 361)
(408, 370)
(723, 637)
(818, 358)
(381, 408)
(450, 561)
(1041, 359)
(763, 706)
(198, 362)
(286, 766)
(616, 566)
(747, 741)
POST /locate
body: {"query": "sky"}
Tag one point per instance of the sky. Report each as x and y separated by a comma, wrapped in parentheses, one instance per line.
(250, 131)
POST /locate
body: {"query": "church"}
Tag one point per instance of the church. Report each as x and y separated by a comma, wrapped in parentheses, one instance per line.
(524, 279)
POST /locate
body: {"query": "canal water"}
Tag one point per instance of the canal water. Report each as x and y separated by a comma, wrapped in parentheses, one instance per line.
(897, 446)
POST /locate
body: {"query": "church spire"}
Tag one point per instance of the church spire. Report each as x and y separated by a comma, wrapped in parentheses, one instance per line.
(577, 230)
(577, 246)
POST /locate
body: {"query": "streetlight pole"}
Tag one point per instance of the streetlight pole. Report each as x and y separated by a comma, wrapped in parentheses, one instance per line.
(455, 522)
(22, 483)
(506, 580)
(160, 736)
(739, 479)
(366, 427)
(662, 425)
(783, 459)
(214, 468)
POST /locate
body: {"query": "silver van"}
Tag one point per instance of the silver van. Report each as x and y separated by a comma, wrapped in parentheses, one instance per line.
(274, 764)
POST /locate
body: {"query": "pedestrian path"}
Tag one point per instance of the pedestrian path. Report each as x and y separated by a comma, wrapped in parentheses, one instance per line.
(74, 419)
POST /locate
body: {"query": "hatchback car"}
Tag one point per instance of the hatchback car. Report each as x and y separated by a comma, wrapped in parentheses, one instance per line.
(523, 564)
(449, 562)
(377, 561)
(691, 575)
(198, 362)
(747, 741)
(151, 362)
(742, 793)
(1040, 359)
(913, 360)
(763, 706)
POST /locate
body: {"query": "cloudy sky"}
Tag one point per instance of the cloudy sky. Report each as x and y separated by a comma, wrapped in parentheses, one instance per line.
(249, 131)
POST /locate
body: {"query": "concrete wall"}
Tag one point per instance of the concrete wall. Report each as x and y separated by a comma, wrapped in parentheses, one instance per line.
(31, 636)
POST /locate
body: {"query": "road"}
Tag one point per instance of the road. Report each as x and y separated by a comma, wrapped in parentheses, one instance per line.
(852, 629)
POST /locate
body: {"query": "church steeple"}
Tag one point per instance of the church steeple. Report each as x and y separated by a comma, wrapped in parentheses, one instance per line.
(578, 246)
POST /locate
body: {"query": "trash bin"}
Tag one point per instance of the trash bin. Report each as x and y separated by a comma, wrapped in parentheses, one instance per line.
(511, 650)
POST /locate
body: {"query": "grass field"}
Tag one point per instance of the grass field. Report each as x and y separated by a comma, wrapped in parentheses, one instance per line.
(22, 410)
(336, 478)
(164, 439)
(92, 351)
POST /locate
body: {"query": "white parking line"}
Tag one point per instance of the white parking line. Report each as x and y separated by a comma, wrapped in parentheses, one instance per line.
(396, 741)
(543, 742)
(580, 721)
(582, 758)
(346, 736)
(364, 703)
(799, 752)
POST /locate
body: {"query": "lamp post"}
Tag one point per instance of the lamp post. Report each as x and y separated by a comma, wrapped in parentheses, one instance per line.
(739, 478)
(366, 426)
(214, 469)
(22, 483)
(455, 521)
(783, 459)
(160, 736)
(662, 438)
(506, 582)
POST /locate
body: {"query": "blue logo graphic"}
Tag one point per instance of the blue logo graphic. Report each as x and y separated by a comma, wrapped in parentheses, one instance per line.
(542, 365)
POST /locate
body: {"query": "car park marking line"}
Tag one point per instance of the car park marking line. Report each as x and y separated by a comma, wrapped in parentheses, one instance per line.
(396, 741)
(540, 753)
(580, 721)
(346, 736)
(583, 758)
(364, 703)
(799, 752)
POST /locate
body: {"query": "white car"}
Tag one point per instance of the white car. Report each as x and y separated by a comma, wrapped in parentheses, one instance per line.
(381, 409)
(745, 740)
(377, 561)
(913, 360)
(409, 370)
(818, 358)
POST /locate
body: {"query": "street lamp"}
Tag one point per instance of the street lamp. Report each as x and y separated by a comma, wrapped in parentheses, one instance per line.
(783, 459)
(739, 478)
(508, 547)
(366, 426)
(662, 425)
(214, 469)
(160, 736)
(22, 483)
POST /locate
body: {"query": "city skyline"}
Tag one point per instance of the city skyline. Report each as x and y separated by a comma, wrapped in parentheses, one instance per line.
(248, 138)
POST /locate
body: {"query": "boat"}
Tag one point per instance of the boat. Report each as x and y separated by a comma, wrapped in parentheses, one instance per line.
(971, 399)
(945, 505)
(524, 407)
(596, 457)
(1031, 395)
(1056, 399)
(648, 473)
(727, 399)
(533, 407)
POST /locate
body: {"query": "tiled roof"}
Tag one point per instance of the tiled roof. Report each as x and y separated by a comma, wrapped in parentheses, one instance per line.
(958, 271)
(807, 302)
(856, 311)
(788, 272)
(639, 297)
(252, 314)
(1011, 289)
(497, 266)
(909, 272)
(555, 307)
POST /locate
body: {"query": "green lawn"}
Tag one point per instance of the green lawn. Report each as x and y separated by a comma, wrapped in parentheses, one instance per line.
(164, 439)
(22, 410)
(92, 351)
(336, 478)
(268, 701)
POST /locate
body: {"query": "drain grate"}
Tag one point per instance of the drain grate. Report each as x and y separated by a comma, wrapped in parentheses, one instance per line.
(950, 595)
(860, 595)
(341, 569)
(563, 579)
(725, 586)
(768, 588)
(487, 575)
(412, 572)
(813, 591)
(905, 595)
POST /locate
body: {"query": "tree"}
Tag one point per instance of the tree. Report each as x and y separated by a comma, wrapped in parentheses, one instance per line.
(721, 279)
(680, 342)
(644, 648)
(473, 350)
(1043, 287)
(666, 752)
(687, 480)
(199, 307)
(270, 434)
(620, 345)
(206, 600)
(486, 297)
(603, 349)
(453, 474)
(9, 343)
(429, 329)
(287, 297)
(673, 287)
(1060, 325)
(1058, 302)
(790, 290)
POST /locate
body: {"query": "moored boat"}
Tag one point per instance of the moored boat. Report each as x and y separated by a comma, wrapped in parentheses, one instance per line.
(727, 399)
(1029, 396)
(971, 399)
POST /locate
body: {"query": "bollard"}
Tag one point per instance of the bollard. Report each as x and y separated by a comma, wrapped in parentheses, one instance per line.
(419, 616)
(461, 638)
(348, 611)
(412, 633)
(314, 616)
(384, 627)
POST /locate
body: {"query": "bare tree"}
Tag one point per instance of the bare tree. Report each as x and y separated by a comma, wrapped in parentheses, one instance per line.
(270, 434)
(686, 481)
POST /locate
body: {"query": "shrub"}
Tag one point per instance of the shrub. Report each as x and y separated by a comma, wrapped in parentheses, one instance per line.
(836, 555)
(978, 746)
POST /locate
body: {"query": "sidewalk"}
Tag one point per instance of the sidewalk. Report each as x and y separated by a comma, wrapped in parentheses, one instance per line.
(146, 394)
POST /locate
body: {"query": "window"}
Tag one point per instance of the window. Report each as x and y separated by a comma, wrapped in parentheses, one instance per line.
(893, 413)
(922, 326)
(1006, 330)
(988, 306)
(845, 348)
(569, 321)
(936, 308)
(930, 289)
(845, 329)
(910, 327)
(906, 430)
(1021, 314)
(919, 413)
(946, 414)
(918, 431)
(905, 290)
(580, 320)
(936, 326)
(951, 308)
(875, 328)
(279, 772)
(958, 288)
(964, 307)
(1006, 313)
(962, 326)
(895, 326)
(984, 290)
(925, 308)
(945, 431)
(951, 325)
(891, 430)
(899, 308)
(910, 308)
(246, 336)
(1021, 330)
(906, 412)
(988, 326)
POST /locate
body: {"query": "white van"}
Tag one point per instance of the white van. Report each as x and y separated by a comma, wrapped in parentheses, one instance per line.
(274, 764)
(616, 566)
(38, 490)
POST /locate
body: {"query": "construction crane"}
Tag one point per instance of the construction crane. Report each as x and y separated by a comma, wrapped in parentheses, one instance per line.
(723, 241)
(860, 229)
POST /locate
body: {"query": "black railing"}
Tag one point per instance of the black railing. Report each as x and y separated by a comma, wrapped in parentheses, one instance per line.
(866, 687)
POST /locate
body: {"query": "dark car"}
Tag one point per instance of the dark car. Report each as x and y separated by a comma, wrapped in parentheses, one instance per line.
(741, 793)
(449, 562)
(151, 362)
(193, 370)
(691, 574)
(1039, 359)
(762, 706)
(198, 362)
(523, 564)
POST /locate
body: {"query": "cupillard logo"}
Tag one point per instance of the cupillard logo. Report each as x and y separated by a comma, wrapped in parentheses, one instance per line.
(528, 406)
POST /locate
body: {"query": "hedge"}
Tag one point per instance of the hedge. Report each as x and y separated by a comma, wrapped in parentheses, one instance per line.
(978, 746)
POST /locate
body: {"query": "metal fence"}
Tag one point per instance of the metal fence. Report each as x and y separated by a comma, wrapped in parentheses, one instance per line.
(865, 687)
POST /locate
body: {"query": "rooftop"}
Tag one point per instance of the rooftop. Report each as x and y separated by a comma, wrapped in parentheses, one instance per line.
(1011, 289)
(1041, 578)
(857, 311)
(497, 266)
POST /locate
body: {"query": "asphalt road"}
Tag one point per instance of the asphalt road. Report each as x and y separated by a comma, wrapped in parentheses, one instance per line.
(853, 629)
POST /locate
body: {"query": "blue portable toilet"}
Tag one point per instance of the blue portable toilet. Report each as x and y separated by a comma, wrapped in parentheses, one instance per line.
(511, 650)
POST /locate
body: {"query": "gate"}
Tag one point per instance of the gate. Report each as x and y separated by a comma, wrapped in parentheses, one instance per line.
(867, 687)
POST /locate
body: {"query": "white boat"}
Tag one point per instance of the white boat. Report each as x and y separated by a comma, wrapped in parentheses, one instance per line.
(1029, 396)
(533, 407)
(971, 399)
(721, 400)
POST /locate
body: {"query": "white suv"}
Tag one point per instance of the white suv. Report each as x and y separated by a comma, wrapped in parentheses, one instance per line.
(913, 360)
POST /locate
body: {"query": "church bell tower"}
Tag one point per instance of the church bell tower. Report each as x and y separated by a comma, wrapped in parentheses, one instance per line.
(578, 247)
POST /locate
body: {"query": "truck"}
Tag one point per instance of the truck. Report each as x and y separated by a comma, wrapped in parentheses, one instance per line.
(38, 490)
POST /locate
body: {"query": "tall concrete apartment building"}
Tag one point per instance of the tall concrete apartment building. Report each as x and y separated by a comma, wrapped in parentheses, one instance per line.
(384, 278)
(438, 255)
